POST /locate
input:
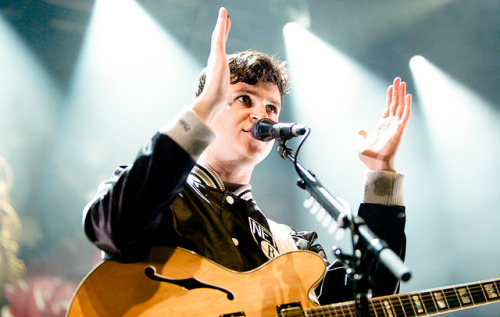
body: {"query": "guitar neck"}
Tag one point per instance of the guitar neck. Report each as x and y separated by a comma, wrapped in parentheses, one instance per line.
(423, 303)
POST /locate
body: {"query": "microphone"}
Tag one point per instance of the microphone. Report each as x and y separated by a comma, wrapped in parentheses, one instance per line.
(267, 130)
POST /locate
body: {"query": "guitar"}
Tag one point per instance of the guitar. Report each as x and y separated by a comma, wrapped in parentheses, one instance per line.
(177, 282)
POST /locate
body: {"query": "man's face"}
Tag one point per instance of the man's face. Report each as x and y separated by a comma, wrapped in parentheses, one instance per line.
(249, 103)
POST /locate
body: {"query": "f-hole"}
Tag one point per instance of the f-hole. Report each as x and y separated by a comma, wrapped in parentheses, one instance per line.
(188, 283)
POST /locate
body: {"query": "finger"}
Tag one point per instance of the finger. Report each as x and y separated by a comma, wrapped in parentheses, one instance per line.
(219, 35)
(216, 31)
(401, 100)
(228, 27)
(388, 102)
(407, 112)
(394, 100)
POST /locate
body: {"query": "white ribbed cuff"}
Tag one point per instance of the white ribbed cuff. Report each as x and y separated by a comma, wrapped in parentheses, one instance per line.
(190, 132)
(385, 188)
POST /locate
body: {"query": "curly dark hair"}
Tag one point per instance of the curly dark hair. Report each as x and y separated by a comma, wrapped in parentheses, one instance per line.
(252, 67)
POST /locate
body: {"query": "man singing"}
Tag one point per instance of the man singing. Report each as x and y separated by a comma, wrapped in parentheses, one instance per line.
(189, 186)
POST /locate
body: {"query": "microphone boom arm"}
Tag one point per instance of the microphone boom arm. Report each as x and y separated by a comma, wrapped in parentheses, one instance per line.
(339, 212)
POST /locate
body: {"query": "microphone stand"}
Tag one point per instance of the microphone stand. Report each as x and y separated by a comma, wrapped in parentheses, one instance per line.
(366, 240)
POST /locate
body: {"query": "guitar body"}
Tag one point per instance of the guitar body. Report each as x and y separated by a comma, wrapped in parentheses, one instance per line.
(116, 289)
(176, 282)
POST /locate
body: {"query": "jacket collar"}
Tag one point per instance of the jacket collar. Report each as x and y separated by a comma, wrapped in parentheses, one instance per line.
(204, 174)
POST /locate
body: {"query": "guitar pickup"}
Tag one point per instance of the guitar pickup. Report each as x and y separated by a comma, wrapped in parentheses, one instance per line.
(286, 309)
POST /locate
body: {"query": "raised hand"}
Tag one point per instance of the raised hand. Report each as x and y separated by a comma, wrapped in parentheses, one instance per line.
(378, 149)
(216, 92)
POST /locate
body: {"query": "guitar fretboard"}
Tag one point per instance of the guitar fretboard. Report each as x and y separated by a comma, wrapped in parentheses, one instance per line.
(424, 303)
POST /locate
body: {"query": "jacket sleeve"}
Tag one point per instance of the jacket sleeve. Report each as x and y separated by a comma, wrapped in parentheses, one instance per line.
(388, 223)
(122, 218)
(384, 212)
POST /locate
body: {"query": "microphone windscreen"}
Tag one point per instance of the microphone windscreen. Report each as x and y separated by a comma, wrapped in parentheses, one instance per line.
(261, 129)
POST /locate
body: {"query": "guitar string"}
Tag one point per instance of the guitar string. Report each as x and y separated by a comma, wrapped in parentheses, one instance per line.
(475, 292)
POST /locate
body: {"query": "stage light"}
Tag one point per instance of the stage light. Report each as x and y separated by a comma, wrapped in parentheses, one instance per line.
(464, 130)
(457, 116)
(300, 16)
(29, 99)
(132, 76)
(417, 61)
(336, 97)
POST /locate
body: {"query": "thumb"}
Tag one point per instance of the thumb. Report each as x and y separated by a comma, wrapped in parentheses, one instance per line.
(360, 144)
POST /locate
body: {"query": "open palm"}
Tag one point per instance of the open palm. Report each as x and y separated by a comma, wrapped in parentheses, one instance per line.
(379, 148)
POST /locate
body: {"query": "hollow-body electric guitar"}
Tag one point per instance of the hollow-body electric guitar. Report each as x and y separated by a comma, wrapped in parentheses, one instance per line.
(177, 282)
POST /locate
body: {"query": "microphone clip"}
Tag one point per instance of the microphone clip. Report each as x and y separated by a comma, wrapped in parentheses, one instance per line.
(284, 151)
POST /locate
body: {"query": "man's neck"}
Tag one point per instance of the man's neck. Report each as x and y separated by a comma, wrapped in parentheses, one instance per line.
(233, 174)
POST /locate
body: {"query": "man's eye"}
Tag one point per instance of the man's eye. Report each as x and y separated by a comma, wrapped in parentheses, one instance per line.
(244, 99)
(271, 108)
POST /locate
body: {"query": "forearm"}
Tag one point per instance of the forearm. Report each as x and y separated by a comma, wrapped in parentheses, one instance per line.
(388, 223)
(383, 211)
(129, 206)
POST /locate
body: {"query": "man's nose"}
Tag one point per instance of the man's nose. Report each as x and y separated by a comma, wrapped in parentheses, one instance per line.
(258, 112)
